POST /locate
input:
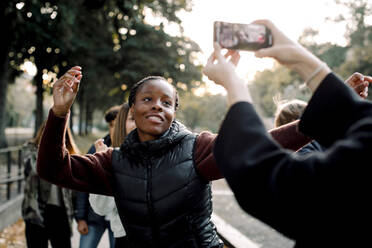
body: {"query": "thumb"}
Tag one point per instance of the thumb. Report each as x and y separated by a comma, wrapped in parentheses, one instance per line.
(217, 52)
(266, 52)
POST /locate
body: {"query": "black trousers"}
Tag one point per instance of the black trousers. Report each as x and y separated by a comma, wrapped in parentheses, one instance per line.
(56, 230)
(121, 242)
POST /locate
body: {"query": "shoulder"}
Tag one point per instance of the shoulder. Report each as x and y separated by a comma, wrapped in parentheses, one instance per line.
(205, 137)
(204, 143)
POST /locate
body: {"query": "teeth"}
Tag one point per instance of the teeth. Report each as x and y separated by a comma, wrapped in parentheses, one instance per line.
(155, 118)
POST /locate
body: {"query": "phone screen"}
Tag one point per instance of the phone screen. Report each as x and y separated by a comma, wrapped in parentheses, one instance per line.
(242, 36)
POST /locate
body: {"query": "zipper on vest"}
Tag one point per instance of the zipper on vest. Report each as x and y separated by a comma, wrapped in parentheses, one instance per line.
(150, 206)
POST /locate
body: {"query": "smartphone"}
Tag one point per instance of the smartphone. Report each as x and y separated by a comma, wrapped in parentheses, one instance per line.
(237, 36)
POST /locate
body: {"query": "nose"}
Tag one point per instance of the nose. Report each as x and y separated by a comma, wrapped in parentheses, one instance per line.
(157, 106)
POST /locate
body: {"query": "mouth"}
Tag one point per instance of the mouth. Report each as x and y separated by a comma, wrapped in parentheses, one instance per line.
(155, 118)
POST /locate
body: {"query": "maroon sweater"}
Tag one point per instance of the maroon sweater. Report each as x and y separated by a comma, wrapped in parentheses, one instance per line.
(93, 173)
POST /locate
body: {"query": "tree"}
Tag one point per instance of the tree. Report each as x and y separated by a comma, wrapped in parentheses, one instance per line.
(108, 38)
(202, 112)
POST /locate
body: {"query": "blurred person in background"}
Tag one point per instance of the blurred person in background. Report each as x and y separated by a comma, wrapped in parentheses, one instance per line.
(46, 208)
(91, 226)
(105, 205)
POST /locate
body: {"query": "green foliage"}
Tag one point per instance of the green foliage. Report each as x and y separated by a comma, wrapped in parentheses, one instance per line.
(202, 113)
(108, 38)
(274, 85)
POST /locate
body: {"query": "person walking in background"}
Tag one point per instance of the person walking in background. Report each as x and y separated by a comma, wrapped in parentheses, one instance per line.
(105, 205)
(319, 200)
(90, 225)
(46, 208)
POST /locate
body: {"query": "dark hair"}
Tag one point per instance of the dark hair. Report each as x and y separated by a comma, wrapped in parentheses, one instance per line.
(133, 91)
(111, 113)
(120, 131)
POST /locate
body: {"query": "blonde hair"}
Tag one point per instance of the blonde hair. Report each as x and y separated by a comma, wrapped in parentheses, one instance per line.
(288, 111)
(120, 131)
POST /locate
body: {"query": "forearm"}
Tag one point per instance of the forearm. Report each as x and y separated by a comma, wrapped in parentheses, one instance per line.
(237, 91)
(308, 65)
(90, 173)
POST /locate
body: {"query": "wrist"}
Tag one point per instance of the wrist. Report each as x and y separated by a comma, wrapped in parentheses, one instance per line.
(59, 112)
(312, 70)
(238, 91)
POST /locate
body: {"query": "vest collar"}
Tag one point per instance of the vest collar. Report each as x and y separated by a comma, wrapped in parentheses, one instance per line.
(138, 151)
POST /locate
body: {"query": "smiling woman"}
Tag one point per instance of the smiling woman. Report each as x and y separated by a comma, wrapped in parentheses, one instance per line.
(154, 102)
(160, 177)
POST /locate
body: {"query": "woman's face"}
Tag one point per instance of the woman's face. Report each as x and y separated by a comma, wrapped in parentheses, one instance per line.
(130, 125)
(154, 109)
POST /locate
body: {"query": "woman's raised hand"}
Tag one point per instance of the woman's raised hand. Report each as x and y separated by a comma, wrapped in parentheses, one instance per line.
(221, 69)
(65, 90)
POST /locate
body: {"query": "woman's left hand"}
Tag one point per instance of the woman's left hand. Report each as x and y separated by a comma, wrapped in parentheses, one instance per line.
(221, 68)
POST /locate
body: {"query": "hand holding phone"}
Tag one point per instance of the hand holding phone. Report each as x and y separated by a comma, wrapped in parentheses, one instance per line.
(236, 36)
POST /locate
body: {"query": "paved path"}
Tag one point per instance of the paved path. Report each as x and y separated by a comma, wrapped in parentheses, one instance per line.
(226, 207)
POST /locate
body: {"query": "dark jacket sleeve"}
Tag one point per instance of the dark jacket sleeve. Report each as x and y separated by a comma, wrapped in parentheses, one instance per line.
(290, 193)
(88, 173)
(81, 206)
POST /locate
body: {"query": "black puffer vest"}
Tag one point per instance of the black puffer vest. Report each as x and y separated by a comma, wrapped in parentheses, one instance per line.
(162, 201)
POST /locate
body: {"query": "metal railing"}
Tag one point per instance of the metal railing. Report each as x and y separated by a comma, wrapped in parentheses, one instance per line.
(11, 173)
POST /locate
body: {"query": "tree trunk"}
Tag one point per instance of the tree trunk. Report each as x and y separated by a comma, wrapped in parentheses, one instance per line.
(39, 114)
(81, 111)
(86, 129)
(5, 24)
(3, 91)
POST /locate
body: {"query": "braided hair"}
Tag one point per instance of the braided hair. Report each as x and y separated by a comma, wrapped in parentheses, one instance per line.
(134, 89)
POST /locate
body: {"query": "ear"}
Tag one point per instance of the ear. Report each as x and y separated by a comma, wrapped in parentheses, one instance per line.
(131, 111)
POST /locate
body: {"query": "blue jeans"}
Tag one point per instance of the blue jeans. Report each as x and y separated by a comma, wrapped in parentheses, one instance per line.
(94, 235)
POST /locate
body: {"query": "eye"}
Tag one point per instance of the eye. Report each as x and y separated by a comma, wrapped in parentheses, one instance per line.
(167, 103)
(147, 99)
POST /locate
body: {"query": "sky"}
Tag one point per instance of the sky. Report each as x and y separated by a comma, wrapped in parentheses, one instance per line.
(291, 16)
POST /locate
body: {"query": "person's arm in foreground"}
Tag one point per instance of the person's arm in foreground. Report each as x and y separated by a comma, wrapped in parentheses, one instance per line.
(269, 182)
(287, 136)
(89, 173)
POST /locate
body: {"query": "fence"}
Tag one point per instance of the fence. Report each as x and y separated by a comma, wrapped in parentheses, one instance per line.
(11, 173)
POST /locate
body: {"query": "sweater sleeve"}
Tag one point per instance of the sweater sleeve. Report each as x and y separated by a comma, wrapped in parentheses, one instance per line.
(203, 156)
(289, 137)
(88, 173)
